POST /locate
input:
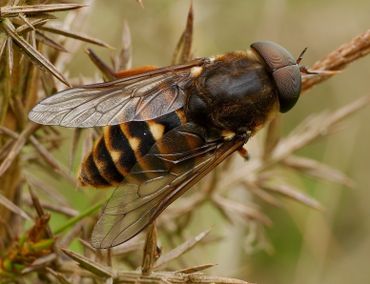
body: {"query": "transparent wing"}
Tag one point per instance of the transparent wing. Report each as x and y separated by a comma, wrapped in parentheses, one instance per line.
(140, 97)
(135, 205)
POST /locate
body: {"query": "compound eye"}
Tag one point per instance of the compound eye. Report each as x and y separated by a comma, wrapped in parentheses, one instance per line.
(284, 69)
(288, 83)
(273, 54)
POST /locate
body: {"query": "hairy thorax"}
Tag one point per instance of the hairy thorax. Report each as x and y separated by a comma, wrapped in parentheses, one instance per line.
(235, 92)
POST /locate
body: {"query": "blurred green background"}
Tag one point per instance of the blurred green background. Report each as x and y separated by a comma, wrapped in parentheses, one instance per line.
(308, 246)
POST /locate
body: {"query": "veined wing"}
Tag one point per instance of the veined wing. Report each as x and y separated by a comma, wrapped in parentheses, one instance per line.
(140, 97)
(133, 206)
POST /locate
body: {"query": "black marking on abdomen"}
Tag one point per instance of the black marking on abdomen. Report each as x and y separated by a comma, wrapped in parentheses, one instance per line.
(89, 174)
(105, 164)
(139, 130)
(120, 146)
(169, 121)
(124, 150)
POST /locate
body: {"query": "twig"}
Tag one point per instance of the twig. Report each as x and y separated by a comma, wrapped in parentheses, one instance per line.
(89, 264)
(12, 207)
(182, 52)
(151, 252)
(17, 146)
(40, 211)
(338, 59)
(180, 250)
(175, 278)
(67, 211)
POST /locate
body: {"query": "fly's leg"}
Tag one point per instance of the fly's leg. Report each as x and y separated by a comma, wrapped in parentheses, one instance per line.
(244, 153)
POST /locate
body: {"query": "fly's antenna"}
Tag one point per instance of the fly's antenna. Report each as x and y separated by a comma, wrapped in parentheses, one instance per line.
(300, 57)
(305, 71)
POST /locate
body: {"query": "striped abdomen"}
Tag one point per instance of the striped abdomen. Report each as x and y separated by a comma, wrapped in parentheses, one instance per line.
(122, 146)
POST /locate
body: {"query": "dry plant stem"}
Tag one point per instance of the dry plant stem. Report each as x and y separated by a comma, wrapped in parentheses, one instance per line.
(314, 129)
(106, 70)
(73, 233)
(17, 146)
(40, 263)
(196, 268)
(272, 137)
(304, 134)
(11, 11)
(123, 60)
(33, 53)
(89, 265)
(173, 278)
(40, 210)
(319, 170)
(75, 35)
(54, 194)
(57, 275)
(55, 164)
(77, 133)
(5, 202)
(129, 246)
(150, 254)
(10, 176)
(247, 213)
(182, 52)
(338, 59)
(64, 210)
(190, 275)
(180, 250)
